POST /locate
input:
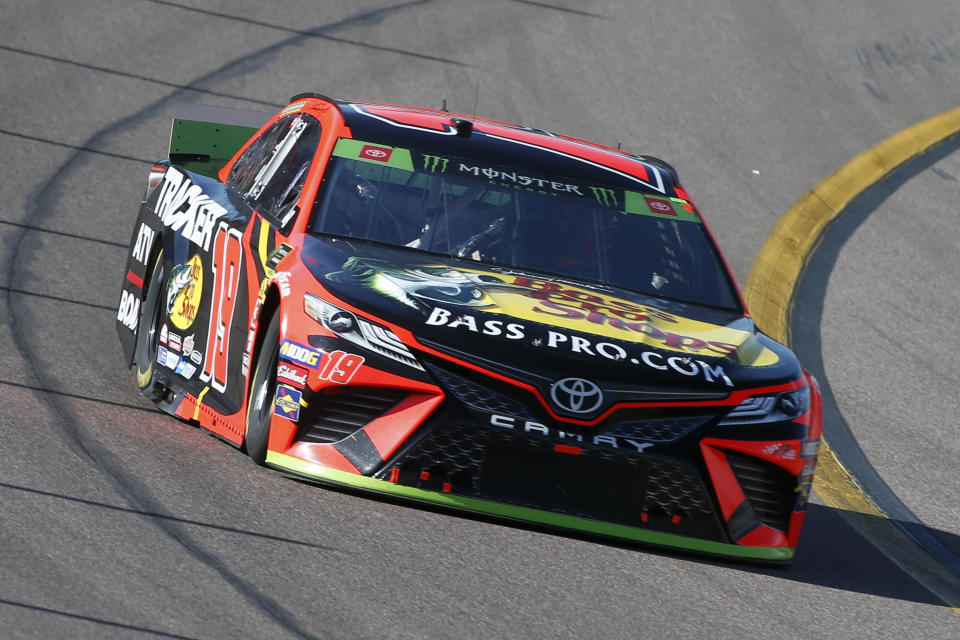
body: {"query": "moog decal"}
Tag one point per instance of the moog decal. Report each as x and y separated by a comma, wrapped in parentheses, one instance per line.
(299, 353)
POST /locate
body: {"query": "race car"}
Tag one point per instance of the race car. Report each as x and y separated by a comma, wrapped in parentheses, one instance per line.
(468, 313)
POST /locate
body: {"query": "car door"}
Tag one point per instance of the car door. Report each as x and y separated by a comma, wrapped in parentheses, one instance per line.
(264, 185)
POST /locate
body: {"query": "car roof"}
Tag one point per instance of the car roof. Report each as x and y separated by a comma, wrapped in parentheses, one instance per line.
(503, 144)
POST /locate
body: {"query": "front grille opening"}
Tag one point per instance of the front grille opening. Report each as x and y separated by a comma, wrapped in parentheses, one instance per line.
(339, 413)
(770, 490)
(479, 394)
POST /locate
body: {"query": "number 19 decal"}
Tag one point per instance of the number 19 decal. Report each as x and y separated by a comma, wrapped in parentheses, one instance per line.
(339, 367)
(226, 260)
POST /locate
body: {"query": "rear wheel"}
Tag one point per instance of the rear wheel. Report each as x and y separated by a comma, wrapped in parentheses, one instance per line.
(148, 331)
(263, 388)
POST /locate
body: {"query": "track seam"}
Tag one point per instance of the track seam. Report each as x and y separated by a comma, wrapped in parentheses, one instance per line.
(40, 205)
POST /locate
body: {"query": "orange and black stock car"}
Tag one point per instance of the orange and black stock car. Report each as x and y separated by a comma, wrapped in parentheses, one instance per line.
(467, 313)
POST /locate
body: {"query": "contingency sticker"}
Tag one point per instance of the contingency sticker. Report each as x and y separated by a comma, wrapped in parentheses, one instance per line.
(287, 403)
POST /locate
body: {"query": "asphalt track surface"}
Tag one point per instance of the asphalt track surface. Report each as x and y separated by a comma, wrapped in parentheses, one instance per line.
(118, 521)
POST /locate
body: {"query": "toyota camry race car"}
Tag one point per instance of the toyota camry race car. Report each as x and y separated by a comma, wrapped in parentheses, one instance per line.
(467, 313)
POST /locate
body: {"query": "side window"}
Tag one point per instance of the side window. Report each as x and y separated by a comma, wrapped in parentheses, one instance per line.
(271, 172)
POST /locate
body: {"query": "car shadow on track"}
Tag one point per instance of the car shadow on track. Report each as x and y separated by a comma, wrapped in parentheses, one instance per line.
(832, 554)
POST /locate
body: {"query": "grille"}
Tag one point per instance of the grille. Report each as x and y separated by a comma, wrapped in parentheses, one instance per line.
(658, 430)
(338, 414)
(607, 484)
(770, 490)
(480, 396)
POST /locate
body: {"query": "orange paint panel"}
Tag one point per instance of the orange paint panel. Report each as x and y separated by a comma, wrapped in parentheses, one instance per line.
(764, 536)
(728, 489)
(390, 430)
(322, 454)
(796, 524)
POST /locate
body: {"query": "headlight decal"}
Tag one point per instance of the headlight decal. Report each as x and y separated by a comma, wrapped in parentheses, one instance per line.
(360, 332)
(778, 407)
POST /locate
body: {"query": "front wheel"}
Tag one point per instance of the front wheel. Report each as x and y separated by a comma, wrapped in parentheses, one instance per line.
(263, 387)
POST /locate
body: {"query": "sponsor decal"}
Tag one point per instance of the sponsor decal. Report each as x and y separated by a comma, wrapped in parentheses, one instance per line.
(185, 369)
(606, 197)
(141, 247)
(188, 350)
(512, 178)
(183, 207)
(340, 367)
(287, 403)
(435, 164)
(571, 343)
(167, 358)
(662, 207)
(128, 313)
(780, 450)
(380, 154)
(184, 291)
(245, 364)
(164, 333)
(547, 302)
(576, 395)
(292, 374)
(299, 353)
(538, 428)
(174, 341)
(296, 106)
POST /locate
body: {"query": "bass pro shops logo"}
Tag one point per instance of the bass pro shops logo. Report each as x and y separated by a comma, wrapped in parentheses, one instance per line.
(576, 395)
(184, 291)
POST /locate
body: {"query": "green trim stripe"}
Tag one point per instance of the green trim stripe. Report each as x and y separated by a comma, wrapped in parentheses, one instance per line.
(525, 514)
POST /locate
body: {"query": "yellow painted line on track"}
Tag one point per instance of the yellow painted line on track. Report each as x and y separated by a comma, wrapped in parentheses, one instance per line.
(769, 295)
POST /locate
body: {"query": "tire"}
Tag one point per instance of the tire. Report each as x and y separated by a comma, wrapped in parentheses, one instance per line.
(148, 333)
(263, 388)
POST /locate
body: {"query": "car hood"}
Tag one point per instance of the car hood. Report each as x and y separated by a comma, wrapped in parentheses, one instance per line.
(513, 319)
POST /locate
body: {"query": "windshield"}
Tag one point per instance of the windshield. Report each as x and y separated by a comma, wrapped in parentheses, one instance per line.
(500, 215)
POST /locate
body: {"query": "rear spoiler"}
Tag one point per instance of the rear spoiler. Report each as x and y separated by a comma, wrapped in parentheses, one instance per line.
(204, 138)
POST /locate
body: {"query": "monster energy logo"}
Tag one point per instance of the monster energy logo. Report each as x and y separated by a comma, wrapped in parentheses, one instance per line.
(606, 197)
(433, 163)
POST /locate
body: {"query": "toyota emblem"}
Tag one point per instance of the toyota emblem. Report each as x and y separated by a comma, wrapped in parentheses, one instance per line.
(576, 395)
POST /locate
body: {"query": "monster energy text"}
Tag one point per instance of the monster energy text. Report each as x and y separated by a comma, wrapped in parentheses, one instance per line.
(520, 180)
